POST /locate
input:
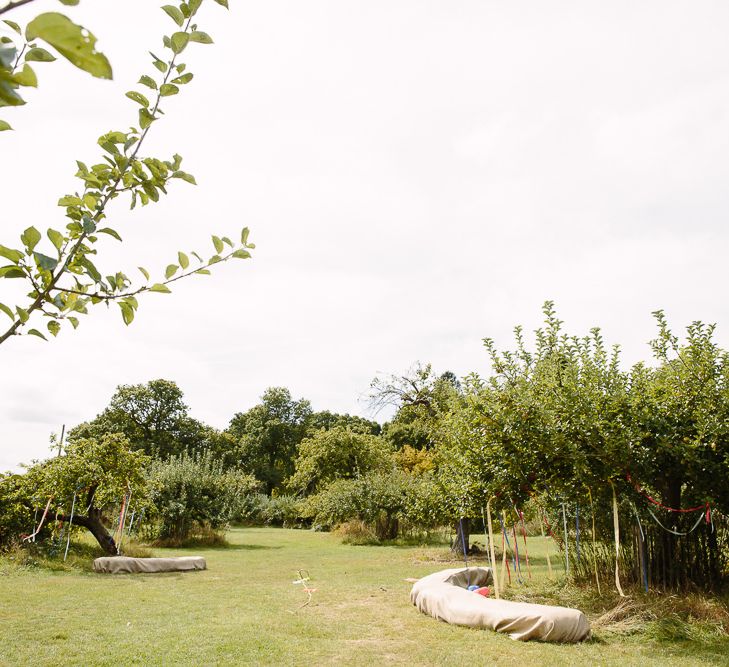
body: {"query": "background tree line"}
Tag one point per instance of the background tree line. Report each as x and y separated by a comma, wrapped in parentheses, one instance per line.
(558, 434)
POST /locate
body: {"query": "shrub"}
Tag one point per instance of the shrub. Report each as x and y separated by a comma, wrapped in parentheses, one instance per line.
(260, 509)
(16, 510)
(280, 511)
(191, 493)
(339, 453)
(378, 499)
(356, 532)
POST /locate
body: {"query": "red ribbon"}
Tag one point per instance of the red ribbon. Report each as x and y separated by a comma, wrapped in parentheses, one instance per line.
(705, 507)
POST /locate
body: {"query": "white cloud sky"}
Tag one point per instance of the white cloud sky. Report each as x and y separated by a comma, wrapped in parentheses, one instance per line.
(416, 175)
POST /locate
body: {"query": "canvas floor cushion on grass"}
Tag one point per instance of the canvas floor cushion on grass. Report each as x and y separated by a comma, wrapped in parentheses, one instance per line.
(444, 595)
(125, 565)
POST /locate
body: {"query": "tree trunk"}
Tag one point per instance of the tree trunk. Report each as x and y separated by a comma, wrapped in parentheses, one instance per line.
(93, 523)
(386, 527)
(461, 538)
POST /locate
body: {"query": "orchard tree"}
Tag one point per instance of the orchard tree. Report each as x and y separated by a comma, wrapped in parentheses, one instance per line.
(682, 413)
(88, 478)
(425, 402)
(339, 453)
(153, 417)
(379, 499)
(193, 491)
(328, 420)
(59, 272)
(269, 434)
(420, 397)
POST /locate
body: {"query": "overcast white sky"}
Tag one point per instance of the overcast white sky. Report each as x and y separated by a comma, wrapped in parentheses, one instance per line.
(416, 174)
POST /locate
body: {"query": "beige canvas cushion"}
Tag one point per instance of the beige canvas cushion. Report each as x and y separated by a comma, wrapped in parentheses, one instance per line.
(123, 564)
(444, 596)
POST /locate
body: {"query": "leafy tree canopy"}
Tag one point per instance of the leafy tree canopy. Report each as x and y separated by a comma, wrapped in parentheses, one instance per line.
(152, 416)
(338, 453)
(328, 420)
(268, 435)
(420, 397)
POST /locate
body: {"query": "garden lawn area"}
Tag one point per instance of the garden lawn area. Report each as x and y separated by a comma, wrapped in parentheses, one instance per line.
(243, 610)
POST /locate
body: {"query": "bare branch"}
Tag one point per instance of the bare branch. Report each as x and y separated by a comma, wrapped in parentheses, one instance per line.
(14, 5)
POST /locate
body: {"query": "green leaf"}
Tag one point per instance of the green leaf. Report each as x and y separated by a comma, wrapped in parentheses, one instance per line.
(175, 14)
(127, 312)
(244, 235)
(72, 41)
(224, 3)
(4, 125)
(13, 25)
(171, 270)
(225, 239)
(7, 311)
(11, 271)
(45, 262)
(69, 2)
(35, 332)
(22, 314)
(179, 41)
(90, 201)
(138, 98)
(56, 238)
(151, 191)
(73, 321)
(8, 56)
(183, 259)
(188, 178)
(88, 225)
(167, 89)
(13, 255)
(8, 96)
(26, 77)
(203, 272)
(110, 232)
(144, 272)
(30, 237)
(69, 200)
(145, 118)
(241, 254)
(91, 269)
(218, 244)
(184, 78)
(193, 6)
(159, 287)
(148, 81)
(200, 37)
(53, 327)
(37, 54)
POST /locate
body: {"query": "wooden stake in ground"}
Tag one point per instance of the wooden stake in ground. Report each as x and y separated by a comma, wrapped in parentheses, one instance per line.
(594, 549)
(541, 525)
(492, 553)
(566, 542)
(616, 526)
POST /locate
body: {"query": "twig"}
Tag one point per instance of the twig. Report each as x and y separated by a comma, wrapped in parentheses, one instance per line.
(14, 5)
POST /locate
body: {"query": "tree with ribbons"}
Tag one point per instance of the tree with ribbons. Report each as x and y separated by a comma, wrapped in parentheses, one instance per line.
(565, 427)
(90, 479)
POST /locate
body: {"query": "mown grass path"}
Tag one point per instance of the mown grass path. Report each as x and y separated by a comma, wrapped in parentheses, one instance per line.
(243, 610)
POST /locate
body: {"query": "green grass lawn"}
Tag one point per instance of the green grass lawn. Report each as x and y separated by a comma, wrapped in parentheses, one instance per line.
(243, 610)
